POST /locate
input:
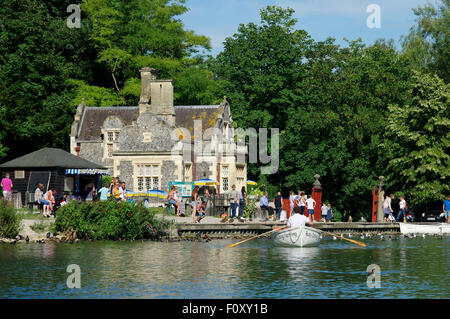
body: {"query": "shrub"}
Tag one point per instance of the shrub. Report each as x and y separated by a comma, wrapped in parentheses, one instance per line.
(39, 227)
(9, 221)
(110, 220)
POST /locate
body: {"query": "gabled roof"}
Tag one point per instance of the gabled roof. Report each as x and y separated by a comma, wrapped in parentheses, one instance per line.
(50, 158)
(93, 118)
(186, 115)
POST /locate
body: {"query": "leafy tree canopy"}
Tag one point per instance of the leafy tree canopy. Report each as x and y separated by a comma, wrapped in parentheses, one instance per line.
(418, 142)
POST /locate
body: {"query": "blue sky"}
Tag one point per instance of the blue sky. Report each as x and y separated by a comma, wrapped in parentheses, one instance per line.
(219, 19)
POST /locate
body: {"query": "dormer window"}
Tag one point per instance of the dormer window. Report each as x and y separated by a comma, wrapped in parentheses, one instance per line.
(112, 137)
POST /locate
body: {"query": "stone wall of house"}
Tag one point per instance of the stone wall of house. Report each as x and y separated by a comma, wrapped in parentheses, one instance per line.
(149, 134)
(203, 170)
(126, 173)
(92, 151)
(168, 173)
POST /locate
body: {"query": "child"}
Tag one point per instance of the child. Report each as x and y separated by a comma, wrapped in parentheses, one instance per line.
(63, 201)
(201, 211)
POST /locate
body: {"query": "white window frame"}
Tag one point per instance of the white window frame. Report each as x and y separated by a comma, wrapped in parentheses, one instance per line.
(148, 175)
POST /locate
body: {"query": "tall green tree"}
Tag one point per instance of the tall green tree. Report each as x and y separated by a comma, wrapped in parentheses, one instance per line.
(132, 34)
(428, 43)
(38, 54)
(262, 65)
(418, 142)
(330, 104)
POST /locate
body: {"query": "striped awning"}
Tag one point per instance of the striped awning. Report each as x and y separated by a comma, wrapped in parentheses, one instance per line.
(86, 171)
(205, 181)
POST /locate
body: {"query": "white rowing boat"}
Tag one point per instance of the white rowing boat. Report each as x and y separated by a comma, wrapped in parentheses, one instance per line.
(437, 229)
(296, 237)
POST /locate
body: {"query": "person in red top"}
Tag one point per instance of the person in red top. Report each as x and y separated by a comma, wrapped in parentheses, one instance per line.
(7, 186)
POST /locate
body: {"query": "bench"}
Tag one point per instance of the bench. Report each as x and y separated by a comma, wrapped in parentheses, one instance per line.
(32, 203)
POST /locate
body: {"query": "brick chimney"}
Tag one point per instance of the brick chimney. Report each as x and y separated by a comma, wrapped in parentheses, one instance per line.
(156, 95)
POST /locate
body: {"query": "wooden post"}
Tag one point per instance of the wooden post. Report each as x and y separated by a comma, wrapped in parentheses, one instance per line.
(317, 196)
(380, 213)
(374, 204)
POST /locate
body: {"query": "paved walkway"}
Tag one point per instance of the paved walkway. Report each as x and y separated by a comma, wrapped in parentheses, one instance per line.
(211, 220)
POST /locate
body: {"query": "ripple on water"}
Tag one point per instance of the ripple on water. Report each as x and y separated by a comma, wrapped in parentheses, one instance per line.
(410, 268)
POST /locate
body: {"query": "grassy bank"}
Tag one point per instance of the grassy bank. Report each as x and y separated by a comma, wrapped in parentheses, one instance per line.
(111, 220)
(9, 221)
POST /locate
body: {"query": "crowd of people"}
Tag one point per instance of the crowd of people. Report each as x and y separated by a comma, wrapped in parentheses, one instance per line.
(301, 203)
(403, 213)
(305, 202)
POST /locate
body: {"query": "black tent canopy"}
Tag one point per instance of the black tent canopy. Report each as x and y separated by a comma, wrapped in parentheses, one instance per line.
(55, 168)
(50, 158)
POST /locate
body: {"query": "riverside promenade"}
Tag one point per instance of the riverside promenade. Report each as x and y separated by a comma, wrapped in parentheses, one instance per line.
(212, 227)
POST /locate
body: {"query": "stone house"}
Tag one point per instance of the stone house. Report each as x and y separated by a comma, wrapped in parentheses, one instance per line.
(151, 144)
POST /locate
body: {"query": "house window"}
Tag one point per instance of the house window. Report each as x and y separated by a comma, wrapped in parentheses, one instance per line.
(110, 149)
(155, 182)
(148, 183)
(19, 174)
(225, 184)
(225, 171)
(140, 181)
(148, 174)
(111, 138)
(140, 170)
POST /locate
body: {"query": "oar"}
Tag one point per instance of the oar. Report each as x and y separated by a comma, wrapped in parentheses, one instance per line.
(257, 236)
(350, 240)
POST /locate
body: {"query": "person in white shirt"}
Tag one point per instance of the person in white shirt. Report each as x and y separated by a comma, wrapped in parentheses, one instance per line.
(311, 204)
(402, 211)
(291, 201)
(387, 208)
(302, 202)
(324, 210)
(123, 191)
(298, 219)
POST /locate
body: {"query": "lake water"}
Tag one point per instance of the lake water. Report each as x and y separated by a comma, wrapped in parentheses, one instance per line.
(410, 268)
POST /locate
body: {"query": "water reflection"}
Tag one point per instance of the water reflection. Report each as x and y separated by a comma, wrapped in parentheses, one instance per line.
(411, 268)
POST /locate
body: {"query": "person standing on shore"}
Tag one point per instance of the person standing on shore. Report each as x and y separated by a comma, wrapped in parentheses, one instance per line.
(311, 203)
(402, 211)
(291, 201)
(329, 213)
(446, 209)
(242, 197)
(324, 210)
(103, 192)
(7, 186)
(194, 200)
(278, 205)
(388, 209)
(302, 202)
(234, 201)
